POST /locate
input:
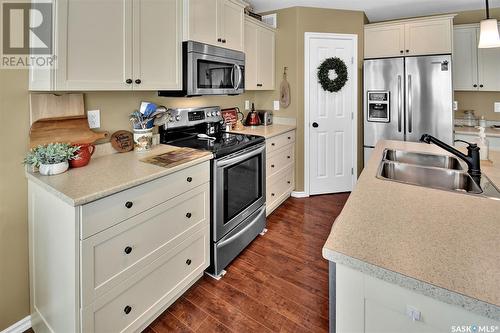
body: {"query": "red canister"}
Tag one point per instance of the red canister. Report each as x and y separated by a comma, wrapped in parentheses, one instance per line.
(82, 156)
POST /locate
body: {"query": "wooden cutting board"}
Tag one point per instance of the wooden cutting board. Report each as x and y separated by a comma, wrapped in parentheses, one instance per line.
(53, 106)
(72, 130)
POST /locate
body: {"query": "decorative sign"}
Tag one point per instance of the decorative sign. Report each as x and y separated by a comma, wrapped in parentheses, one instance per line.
(230, 116)
(122, 141)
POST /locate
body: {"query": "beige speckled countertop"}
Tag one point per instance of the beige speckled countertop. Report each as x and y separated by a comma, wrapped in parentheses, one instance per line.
(266, 131)
(107, 175)
(443, 244)
(490, 132)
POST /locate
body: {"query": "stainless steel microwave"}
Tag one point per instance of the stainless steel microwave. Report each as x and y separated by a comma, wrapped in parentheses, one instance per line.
(210, 70)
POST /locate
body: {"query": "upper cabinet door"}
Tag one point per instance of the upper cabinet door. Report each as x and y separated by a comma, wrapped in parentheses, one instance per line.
(489, 68)
(266, 61)
(94, 45)
(465, 58)
(251, 55)
(157, 44)
(384, 40)
(230, 24)
(202, 21)
(428, 37)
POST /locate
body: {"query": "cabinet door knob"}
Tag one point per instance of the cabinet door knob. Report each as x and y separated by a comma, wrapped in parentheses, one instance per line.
(474, 85)
(129, 204)
(219, 40)
(289, 182)
(188, 262)
(480, 86)
(128, 250)
(138, 81)
(401, 51)
(407, 51)
(288, 157)
(128, 81)
(127, 309)
(289, 138)
(273, 144)
(189, 179)
(224, 41)
(272, 165)
(188, 215)
(272, 194)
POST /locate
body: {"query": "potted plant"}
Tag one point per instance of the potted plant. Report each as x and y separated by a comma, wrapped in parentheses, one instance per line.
(51, 159)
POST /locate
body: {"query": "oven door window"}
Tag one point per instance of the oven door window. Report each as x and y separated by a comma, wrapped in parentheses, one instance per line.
(242, 186)
(215, 75)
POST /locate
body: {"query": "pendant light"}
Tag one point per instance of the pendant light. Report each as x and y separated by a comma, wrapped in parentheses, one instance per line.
(489, 37)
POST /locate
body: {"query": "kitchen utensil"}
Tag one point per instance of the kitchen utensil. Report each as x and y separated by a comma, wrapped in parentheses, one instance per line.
(266, 117)
(72, 130)
(83, 156)
(143, 139)
(44, 106)
(252, 118)
(122, 141)
(205, 137)
(285, 98)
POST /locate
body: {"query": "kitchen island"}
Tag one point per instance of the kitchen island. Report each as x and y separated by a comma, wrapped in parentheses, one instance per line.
(407, 258)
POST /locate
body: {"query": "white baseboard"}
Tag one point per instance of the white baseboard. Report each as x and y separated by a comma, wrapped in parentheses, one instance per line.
(19, 327)
(299, 194)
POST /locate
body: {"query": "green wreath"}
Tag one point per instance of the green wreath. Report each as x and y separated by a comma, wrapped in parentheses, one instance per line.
(324, 69)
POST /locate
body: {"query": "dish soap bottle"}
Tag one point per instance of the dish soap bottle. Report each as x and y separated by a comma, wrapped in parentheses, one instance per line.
(483, 144)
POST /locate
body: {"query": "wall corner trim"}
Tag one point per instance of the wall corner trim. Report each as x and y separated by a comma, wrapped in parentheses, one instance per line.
(296, 195)
(19, 327)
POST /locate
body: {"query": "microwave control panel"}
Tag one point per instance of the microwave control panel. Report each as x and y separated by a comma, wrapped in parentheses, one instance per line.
(379, 106)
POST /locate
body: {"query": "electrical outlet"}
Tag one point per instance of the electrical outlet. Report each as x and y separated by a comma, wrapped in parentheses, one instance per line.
(276, 105)
(455, 105)
(413, 313)
(94, 118)
(497, 106)
(247, 105)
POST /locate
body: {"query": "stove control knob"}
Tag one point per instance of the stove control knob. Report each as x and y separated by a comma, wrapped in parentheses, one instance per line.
(177, 118)
(211, 114)
(217, 114)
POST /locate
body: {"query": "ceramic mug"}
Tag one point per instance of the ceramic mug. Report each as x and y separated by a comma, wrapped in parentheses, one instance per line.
(83, 156)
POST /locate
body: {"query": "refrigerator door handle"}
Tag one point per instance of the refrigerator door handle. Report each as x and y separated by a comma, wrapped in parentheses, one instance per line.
(400, 103)
(410, 102)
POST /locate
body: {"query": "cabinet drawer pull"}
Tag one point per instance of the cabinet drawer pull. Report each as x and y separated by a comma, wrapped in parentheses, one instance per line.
(128, 81)
(127, 309)
(188, 262)
(289, 138)
(188, 215)
(129, 204)
(138, 81)
(128, 250)
(272, 165)
(288, 157)
(289, 182)
(259, 84)
(272, 194)
(189, 179)
(273, 144)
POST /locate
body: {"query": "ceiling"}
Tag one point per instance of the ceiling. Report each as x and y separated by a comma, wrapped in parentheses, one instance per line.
(379, 10)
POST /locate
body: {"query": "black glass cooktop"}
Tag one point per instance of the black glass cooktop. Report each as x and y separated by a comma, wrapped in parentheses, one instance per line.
(224, 143)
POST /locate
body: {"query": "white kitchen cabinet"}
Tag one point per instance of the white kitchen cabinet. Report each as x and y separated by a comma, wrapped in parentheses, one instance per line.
(215, 22)
(115, 45)
(115, 264)
(420, 36)
(260, 55)
(280, 161)
(474, 69)
(366, 304)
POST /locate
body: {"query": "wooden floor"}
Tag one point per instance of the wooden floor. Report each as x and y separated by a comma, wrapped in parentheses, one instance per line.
(278, 284)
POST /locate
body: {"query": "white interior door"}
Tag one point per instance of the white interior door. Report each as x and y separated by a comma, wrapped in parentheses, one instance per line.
(331, 116)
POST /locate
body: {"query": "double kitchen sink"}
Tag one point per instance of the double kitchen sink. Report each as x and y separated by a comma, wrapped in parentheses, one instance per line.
(434, 171)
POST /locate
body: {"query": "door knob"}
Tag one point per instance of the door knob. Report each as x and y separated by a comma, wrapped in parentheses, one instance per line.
(315, 125)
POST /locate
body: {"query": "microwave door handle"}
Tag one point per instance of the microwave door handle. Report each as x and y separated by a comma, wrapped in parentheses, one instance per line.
(240, 76)
(232, 77)
(240, 158)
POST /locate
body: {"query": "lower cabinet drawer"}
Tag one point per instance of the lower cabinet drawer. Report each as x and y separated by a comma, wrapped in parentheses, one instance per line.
(278, 186)
(280, 159)
(129, 306)
(113, 255)
(279, 141)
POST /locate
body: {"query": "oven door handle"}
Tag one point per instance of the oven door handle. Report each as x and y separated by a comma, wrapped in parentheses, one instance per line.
(242, 157)
(242, 231)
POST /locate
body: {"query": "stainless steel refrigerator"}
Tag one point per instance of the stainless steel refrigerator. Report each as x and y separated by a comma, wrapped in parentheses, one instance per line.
(407, 97)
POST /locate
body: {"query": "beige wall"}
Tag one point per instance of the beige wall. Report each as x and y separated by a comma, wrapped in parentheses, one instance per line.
(292, 24)
(481, 102)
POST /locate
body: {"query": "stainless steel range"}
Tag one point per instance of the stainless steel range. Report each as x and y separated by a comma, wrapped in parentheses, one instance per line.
(238, 193)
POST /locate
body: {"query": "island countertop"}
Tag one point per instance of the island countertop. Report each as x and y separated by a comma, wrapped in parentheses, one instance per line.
(110, 174)
(442, 244)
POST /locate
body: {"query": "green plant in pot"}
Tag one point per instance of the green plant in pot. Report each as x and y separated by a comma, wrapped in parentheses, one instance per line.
(51, 159)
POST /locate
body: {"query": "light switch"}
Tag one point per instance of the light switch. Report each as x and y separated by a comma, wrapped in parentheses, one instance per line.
(497, 106)
(276, 105)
